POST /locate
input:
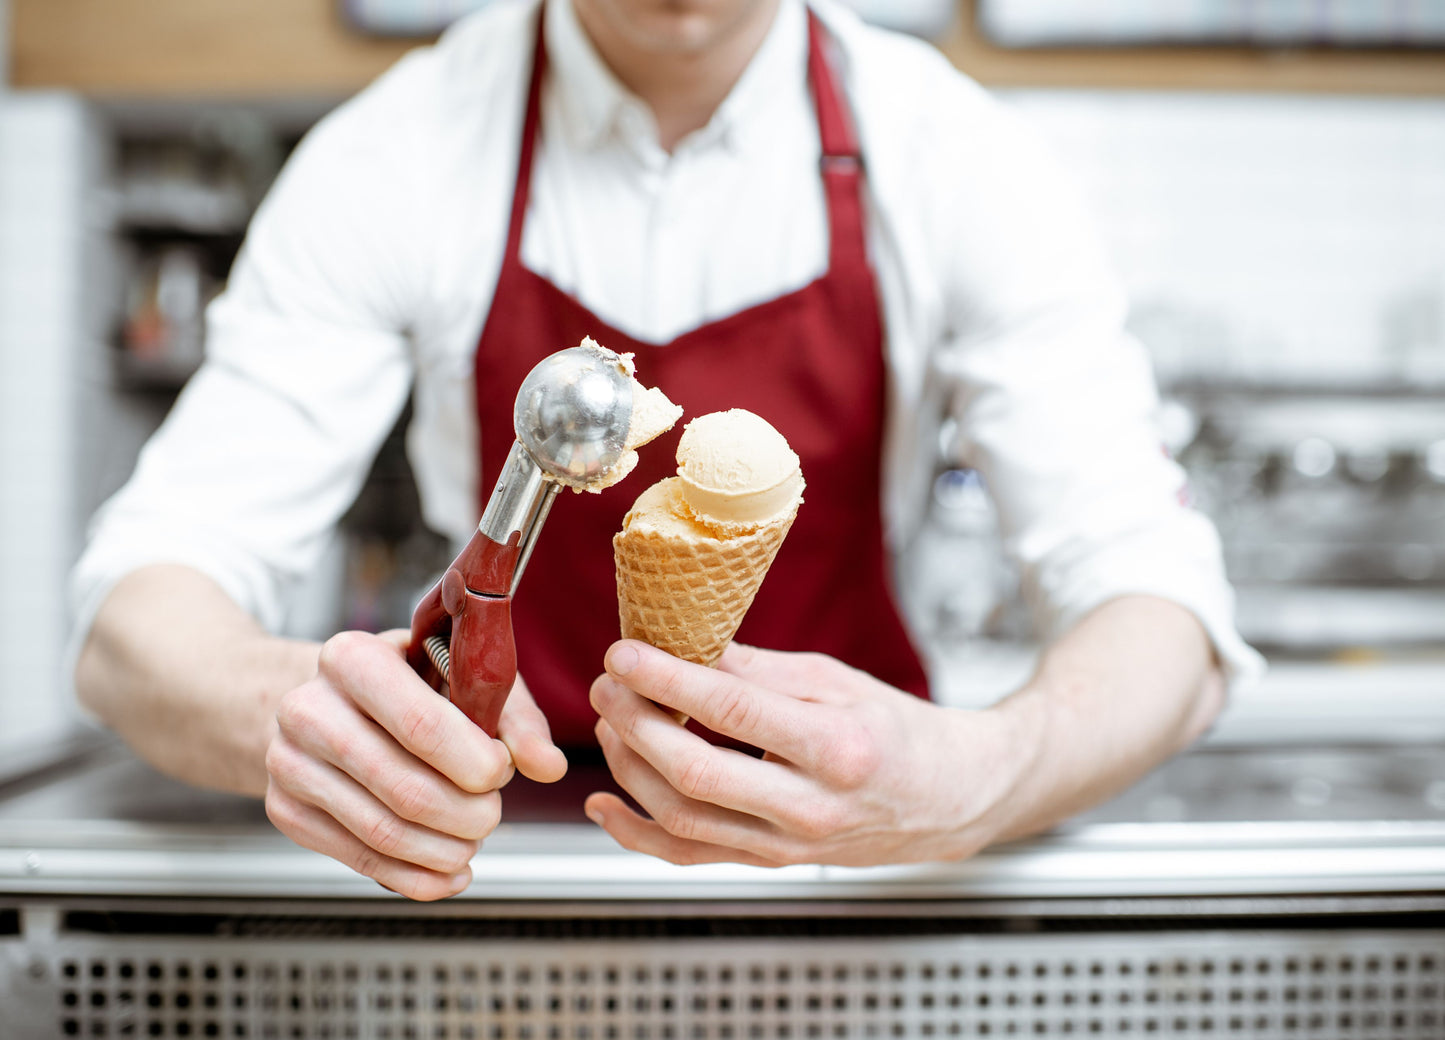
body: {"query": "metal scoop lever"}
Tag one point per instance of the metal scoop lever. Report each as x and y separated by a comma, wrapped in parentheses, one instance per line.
(571, 417)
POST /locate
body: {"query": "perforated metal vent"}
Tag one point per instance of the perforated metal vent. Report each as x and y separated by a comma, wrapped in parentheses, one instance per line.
(1388, 985)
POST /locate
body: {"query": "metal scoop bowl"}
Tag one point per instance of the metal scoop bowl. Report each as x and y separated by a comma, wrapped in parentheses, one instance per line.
(573, 412)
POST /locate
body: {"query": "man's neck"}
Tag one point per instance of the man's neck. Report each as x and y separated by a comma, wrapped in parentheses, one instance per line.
(682, 85)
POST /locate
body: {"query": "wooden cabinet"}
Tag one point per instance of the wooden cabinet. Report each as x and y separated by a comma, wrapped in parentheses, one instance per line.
(251, 48)
(237, 48)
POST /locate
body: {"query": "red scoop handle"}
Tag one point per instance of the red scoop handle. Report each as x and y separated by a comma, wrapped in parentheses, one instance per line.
(467, 620)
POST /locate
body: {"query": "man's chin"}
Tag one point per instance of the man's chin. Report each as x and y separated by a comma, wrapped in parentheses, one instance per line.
(677, 34)
(675, 27)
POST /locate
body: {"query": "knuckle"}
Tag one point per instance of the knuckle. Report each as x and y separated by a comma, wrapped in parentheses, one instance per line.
(305, 723)
(736, 711)
(477, 818)
(680, 822)
(488, 771)
(344, 750)
(489, 814)
(818, 823)
(280, 811)
(338, 652)
(621, 729)
(282, 762)
(369, 863)
(293, 714)
(668, 686)
(413, 797)
(458, 858)
(275, 763)
(698, 778)
(853, 756)
(423, 729)
(385, 834)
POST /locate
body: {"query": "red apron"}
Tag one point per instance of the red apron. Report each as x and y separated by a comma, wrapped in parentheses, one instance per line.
(810, 362)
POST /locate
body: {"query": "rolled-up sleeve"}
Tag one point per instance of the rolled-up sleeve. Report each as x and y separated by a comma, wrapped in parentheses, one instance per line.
(1056, 402)
(307, 368)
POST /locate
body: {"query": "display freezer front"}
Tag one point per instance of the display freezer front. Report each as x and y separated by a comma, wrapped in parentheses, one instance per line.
(1221, 897)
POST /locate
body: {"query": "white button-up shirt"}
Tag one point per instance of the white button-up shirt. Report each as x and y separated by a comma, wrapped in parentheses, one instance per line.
(370, 268)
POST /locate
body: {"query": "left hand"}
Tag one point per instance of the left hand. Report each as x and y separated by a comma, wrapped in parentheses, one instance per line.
(854, 772)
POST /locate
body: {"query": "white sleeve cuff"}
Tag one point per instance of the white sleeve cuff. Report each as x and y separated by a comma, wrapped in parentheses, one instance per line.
(1177, 561)
(122, 548)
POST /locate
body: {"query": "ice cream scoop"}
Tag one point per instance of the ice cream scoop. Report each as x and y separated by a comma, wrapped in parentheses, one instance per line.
(578, 416)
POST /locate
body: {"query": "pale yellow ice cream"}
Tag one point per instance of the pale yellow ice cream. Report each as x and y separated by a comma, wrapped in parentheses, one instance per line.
(660, 510)
(736, 473)
(652, 415)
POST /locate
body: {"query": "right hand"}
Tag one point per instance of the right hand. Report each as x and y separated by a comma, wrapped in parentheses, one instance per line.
(371, 767)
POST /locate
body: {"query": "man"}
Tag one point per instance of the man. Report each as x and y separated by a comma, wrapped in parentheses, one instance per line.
(776, 209)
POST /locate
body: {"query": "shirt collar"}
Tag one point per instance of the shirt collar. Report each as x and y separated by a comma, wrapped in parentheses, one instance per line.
(595, 106)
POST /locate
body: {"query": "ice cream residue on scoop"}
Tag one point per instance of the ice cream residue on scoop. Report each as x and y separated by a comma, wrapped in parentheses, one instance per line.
(736, 472)
(652, 415)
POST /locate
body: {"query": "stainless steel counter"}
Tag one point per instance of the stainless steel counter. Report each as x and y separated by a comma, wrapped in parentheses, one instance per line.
(1218, 821)
(1267, 892)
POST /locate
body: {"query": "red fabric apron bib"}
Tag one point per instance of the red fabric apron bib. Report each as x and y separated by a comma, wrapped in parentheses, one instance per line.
(810, 362)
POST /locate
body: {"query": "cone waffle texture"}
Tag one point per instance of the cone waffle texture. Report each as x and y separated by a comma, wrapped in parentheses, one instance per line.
(687, 594)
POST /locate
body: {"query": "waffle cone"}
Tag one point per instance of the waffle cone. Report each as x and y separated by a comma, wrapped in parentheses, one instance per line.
(687, 594)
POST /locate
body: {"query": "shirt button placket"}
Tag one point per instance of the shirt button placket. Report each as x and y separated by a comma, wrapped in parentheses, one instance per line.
(672, 264)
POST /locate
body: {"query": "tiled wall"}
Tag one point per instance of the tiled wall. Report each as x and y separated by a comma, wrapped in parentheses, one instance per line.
(1268, 237)
(43, 144)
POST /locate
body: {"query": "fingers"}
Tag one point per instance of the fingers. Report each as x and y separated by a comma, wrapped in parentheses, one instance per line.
(327, 727)
(314, 829)
(679, 816)
(323, 786)
(694, 768)
(523, 728)
(747, 711)
(375, 675)
(807, 676)
(633, 832)
(371, 767)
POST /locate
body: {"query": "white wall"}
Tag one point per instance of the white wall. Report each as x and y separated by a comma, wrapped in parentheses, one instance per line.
(1268, 237)
(44, 143)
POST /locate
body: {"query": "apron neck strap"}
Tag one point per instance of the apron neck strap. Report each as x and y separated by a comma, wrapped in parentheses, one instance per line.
(530, 120)
(835, 129)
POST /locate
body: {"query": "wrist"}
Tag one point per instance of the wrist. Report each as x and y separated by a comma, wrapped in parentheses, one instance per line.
(1010, 740)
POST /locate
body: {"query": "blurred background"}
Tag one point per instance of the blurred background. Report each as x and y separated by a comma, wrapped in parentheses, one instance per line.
(1269, 174)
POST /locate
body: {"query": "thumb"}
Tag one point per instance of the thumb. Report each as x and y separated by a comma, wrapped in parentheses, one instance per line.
(523, 728)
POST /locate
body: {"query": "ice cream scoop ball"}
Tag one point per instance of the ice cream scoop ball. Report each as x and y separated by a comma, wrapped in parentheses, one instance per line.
(573, 412)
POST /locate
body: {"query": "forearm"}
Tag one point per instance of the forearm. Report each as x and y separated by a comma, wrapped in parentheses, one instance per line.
(187, 678)
(1131, 685)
